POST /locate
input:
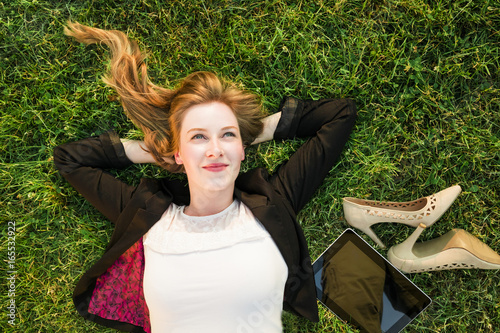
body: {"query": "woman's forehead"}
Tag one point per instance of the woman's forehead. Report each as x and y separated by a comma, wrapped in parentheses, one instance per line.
(213, 115)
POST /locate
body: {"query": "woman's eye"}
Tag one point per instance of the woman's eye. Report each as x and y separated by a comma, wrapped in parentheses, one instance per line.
(198, 136)
(229, 134)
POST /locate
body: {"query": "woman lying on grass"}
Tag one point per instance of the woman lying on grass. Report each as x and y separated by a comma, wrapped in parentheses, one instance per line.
(224, 252)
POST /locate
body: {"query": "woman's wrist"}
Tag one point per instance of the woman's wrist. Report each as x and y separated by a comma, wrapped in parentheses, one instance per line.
(136, 151)
(270, 124)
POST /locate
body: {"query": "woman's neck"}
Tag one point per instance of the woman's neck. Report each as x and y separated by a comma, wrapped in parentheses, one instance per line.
(204, 204)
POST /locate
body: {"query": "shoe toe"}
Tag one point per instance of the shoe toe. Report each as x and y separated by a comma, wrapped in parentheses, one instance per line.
(447, 196)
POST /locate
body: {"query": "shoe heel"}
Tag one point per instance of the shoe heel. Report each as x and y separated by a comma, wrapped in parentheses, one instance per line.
(355, 218)
(370, 233)
(401, 255)
(407, 245)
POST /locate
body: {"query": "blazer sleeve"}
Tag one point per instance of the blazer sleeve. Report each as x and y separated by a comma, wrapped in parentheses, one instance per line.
(83, 164)
(327, 124)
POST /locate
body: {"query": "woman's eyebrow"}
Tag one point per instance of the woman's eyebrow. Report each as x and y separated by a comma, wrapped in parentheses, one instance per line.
(198, 129)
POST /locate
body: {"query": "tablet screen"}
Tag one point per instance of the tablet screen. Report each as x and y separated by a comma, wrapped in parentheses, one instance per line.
(361, 287)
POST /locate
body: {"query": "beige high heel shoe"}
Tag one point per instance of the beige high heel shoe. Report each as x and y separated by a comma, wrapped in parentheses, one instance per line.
(457, 249)
(362, 214)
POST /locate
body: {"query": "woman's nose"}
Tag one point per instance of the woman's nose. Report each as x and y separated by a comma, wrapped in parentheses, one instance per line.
(214, 149)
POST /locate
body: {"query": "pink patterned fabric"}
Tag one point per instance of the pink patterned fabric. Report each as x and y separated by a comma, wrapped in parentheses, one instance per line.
(118, 294)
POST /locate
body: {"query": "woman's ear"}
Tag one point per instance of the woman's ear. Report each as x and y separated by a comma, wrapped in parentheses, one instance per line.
(178, 159)
(243, 153)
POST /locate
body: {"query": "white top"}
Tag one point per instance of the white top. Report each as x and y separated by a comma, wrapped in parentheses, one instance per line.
(218, 273)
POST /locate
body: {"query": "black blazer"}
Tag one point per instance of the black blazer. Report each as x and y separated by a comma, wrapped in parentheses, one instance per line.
(273, 199)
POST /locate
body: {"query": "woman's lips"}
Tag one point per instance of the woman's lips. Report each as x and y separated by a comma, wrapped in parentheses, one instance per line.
(215, 167)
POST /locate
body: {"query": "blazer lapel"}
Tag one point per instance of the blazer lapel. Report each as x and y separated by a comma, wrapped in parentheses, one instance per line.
(145, 218)
(269, 215)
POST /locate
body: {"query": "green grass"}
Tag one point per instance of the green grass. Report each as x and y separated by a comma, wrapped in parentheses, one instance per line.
(424, 74)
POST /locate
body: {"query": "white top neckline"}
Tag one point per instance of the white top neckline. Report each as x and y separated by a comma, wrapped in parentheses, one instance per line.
(177, 233)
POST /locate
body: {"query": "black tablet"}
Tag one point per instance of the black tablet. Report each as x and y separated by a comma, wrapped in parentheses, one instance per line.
(361, 287)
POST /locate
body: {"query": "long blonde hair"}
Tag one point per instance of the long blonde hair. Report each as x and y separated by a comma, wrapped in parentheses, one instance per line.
(158, 111)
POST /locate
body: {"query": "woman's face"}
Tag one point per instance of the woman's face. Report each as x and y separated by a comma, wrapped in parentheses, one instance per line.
(210, 147)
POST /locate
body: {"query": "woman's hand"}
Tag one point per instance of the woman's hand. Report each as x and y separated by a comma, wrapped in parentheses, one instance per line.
(270, 124)
(137, 152)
